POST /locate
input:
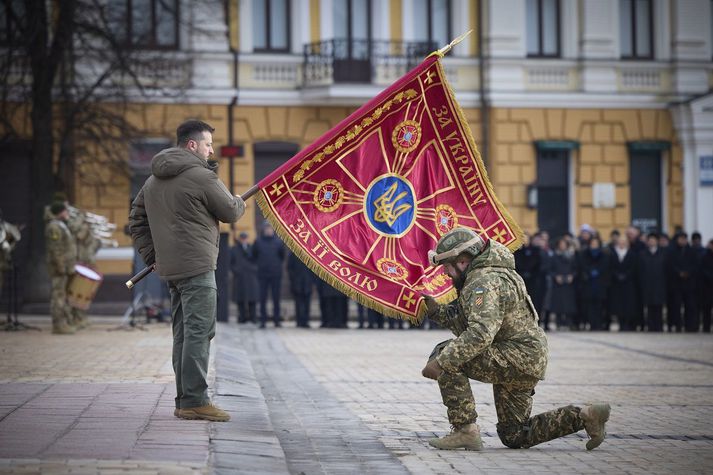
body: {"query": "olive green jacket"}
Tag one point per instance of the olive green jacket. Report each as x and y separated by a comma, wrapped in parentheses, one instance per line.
(174, 218)
(493, 310)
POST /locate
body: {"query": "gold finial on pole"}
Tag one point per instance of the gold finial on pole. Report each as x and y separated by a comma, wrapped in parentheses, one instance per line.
(443, 51)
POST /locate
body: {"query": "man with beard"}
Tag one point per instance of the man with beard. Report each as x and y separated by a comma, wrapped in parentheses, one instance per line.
(498, 341)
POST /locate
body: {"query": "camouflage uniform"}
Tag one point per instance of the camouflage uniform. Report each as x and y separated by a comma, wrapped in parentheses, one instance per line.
(87, 247)
(498, 342)
(61, 258)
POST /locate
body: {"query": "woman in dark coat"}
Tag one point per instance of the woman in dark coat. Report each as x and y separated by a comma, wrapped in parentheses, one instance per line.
(594, 282)
(563, 269)
(622, 292)
(245, 286)
(652, 282)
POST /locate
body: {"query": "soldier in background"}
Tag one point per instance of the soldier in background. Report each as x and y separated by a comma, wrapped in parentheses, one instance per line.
(61, 258)
(498, 341)
(87, 245)
(245, 286)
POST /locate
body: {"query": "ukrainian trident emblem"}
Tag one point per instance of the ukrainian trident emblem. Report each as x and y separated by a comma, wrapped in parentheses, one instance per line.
(389, 205)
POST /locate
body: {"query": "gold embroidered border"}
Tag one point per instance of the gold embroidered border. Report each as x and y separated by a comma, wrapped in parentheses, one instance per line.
(352, 133)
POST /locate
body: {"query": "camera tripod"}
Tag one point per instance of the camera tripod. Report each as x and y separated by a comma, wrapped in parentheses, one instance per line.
(12, 323)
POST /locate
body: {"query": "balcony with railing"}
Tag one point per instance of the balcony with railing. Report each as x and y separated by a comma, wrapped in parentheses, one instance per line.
(342, 61)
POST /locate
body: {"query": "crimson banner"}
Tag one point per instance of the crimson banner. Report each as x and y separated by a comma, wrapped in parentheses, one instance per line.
(364, 204)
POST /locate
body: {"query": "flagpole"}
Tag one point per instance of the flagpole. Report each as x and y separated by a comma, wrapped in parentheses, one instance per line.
(443, 51)
(251, 191)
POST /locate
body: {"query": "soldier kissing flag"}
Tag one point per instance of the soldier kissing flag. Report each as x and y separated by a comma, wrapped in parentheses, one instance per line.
(363, 204)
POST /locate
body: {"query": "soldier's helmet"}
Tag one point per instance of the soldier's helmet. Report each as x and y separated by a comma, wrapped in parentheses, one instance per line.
(455, 242)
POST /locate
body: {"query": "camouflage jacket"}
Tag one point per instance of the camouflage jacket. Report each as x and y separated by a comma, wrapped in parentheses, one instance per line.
(61, 248)
(493, 310)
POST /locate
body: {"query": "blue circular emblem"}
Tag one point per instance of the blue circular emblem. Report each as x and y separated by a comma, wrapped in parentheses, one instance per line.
(390, 206)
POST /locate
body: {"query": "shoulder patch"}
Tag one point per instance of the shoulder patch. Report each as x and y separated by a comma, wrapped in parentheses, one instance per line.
(54, 233)
(479, 296)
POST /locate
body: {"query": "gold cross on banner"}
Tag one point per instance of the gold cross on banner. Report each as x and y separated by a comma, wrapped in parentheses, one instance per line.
(499, 234)
(429, 77)
(409, 299)
(276, 189)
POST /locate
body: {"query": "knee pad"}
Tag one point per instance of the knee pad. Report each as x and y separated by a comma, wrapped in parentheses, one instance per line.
(513, 436)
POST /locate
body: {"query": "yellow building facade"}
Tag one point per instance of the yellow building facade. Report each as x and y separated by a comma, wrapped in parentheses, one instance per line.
(583, 103)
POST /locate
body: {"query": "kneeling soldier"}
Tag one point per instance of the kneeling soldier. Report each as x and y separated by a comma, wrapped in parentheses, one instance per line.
(498, 342)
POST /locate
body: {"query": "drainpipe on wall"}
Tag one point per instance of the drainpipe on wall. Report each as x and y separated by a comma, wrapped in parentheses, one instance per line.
(484, 108)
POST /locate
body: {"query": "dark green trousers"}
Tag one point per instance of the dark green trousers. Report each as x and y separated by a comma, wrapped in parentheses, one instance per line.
(193, 307)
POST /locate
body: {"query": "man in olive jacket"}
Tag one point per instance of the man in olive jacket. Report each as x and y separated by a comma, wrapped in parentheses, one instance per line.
(498, 342)
(174, 224)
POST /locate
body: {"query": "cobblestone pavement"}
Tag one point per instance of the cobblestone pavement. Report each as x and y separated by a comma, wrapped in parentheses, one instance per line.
(335, 402)
(98, 401)
(659, 386)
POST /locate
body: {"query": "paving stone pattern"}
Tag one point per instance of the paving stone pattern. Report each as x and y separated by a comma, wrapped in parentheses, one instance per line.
(335, 402)
(660, 388)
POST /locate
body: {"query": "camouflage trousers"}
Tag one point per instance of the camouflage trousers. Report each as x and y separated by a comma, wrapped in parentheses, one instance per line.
(512, 391)
(62, 312)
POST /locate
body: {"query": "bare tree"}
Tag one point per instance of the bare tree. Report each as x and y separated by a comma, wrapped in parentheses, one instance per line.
(76, 68)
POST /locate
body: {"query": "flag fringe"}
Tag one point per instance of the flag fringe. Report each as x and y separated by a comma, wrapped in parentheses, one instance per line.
(519, 235)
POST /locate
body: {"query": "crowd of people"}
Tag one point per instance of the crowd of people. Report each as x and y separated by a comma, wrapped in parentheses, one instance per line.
(641, 282)
(634, 281)
(257, 270)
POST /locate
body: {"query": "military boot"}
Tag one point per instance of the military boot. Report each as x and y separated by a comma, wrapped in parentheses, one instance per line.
(595, 417)
(63, 329)
(208, 412)
(461, 437)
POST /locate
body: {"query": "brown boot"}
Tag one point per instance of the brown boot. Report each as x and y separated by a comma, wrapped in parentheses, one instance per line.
(461, 437)
(63, 329)
(208, 412)
(595, 417)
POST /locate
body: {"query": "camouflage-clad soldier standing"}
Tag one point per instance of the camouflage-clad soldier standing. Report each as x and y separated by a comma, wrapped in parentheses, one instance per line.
(61, 258)
(498, 342)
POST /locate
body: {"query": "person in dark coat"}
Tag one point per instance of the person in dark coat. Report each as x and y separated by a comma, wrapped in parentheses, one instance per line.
(539, 291)
(269, 254)
(245, 286)
(333, 306)
(681, 270)
(706, 269)
(301, 282)
(702, 292)
(622, 291)
(652, 282)
(563, 270)
(594, 282)
(528, 260)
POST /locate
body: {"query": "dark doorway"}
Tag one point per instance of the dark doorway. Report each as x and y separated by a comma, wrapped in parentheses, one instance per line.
(553, 191)
(645, 188)
(16, 205)
(268, 157)
(352, 54)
